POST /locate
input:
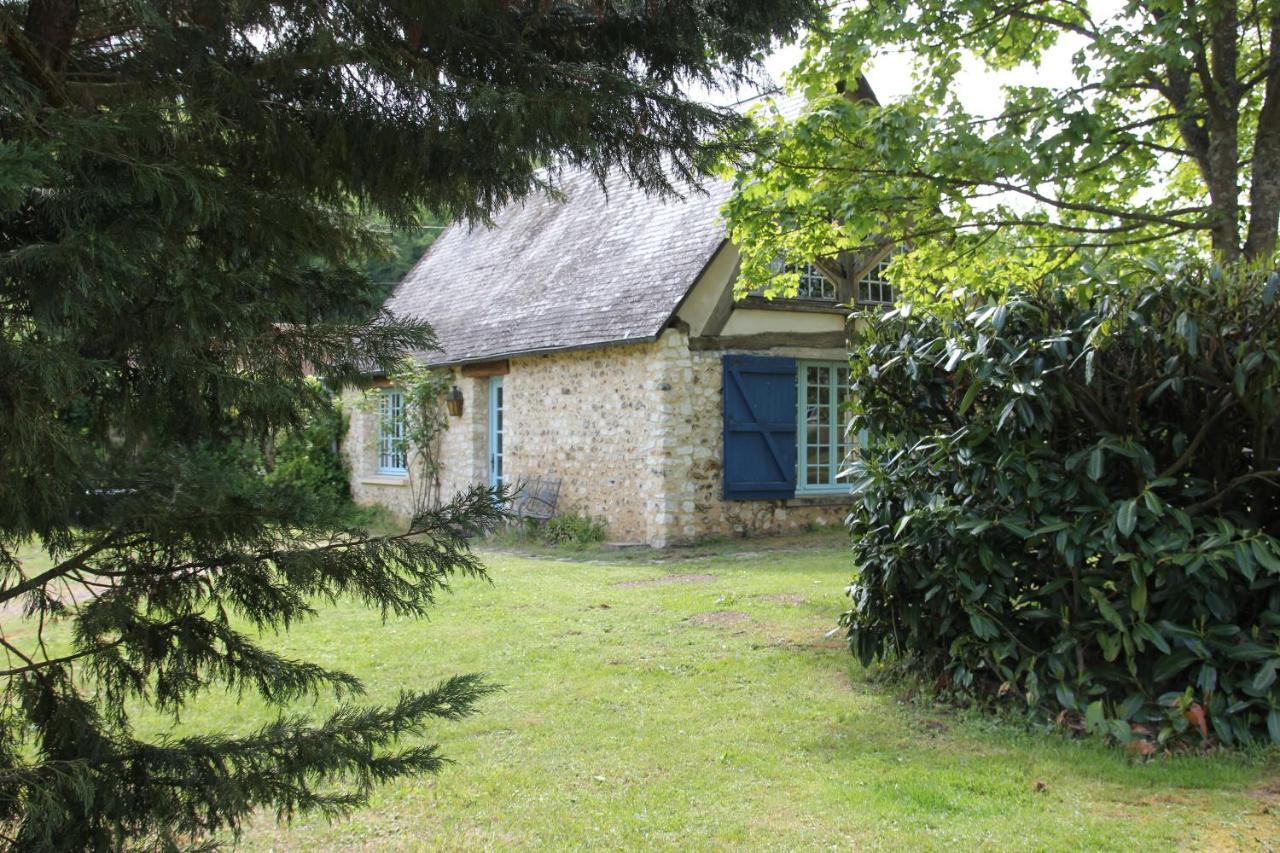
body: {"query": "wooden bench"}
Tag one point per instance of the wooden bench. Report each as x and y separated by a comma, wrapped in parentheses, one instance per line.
(536, 498)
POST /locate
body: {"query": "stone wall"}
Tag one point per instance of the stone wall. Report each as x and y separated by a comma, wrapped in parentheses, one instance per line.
(361, 449)
(587, 417)
(464, 448)
(463, 453)
(634, 433)
(692, 504)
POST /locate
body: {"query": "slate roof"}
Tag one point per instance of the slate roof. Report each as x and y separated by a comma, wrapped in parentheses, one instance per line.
(599, 267)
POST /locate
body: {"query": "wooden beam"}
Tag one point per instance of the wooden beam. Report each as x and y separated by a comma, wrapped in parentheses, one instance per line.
(724, 305)
(771, 340)
(834, 272)
(782, 303)
(480, 369)
(861, 265)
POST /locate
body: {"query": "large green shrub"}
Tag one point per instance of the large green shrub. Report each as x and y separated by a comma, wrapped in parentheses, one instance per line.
(308, 455)
(1073, 497)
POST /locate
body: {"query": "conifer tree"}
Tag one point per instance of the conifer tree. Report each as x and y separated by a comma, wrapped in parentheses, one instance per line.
(177, 241)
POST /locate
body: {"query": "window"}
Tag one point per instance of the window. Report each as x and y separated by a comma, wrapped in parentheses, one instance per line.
(391, 434)
(821, 441)
(814, 285)
(497, 415)
(875, 287)
(784, 427)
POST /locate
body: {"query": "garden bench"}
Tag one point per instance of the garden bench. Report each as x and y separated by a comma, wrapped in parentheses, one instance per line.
(536, 498)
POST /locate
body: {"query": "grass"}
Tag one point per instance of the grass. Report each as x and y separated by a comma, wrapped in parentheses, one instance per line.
(696, 703)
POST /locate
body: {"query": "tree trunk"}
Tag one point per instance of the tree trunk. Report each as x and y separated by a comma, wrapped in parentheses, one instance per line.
(51, 28)
(1264, 189)
(1216, 68)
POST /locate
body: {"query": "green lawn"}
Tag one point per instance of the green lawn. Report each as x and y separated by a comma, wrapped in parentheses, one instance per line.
(695, 703)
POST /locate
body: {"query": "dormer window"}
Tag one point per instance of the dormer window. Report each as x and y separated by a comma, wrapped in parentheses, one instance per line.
(814, 285)
(875, 287)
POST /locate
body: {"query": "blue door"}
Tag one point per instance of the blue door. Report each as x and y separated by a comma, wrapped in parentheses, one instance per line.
(495, 431)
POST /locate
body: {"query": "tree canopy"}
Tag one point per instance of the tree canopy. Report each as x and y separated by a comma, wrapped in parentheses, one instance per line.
(185, 193)
(1167, 134)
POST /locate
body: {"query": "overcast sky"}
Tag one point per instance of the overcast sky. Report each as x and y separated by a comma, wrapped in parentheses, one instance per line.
(890, 74)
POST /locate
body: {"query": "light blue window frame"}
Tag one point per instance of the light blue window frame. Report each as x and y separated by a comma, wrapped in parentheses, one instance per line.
(497, 416)
(822, 388)
(392, 453)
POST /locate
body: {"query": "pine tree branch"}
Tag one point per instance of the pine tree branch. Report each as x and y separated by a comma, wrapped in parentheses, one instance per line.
(79, 561)
(46, 663)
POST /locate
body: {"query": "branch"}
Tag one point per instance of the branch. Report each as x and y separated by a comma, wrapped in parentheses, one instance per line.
(75, 563)
(1005, 186)
(12, 36)
(1187, 455)
(1265, 476)
(34, 665)
(1091, 35)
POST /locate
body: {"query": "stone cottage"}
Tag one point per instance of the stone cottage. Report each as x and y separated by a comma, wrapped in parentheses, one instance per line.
(596, 339)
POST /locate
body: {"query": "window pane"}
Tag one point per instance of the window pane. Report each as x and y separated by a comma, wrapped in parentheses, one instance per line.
(875, 287)
(392, 453)
(813, 284)
(822, 441)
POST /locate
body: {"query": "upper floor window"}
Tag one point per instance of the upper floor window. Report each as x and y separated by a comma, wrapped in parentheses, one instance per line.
(875, 287)
(814, 285)
(392, 456)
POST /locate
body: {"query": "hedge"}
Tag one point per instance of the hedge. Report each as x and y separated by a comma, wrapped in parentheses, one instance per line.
(1072, 497)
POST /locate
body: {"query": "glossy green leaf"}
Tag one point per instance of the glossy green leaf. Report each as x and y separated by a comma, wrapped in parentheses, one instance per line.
(1127, 516)
(1096, 462)
(1263, 553)
(1266, 675)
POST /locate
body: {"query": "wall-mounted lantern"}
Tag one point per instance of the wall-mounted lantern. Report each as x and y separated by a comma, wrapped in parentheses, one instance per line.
(454, 402)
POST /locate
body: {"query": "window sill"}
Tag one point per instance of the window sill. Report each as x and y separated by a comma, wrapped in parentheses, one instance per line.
(820, 499)
(386, 480)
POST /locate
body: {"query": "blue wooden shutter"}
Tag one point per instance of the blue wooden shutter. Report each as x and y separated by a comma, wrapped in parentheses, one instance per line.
(759, 428)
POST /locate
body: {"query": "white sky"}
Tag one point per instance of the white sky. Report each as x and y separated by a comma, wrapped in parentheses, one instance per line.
(890, 74)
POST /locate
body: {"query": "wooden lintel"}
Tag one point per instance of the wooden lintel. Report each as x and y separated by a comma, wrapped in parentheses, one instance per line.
(771, 340)
(481, 369)
(795, 306)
